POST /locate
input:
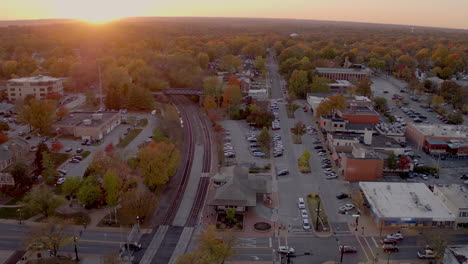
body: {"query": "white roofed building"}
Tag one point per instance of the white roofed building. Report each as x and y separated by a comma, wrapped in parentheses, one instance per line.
(406, 205)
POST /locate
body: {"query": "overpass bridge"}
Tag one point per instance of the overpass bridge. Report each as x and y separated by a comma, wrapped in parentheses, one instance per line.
(180, 91)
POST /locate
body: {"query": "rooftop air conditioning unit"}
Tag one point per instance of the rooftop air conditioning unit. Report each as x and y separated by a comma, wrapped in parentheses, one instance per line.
(87, 122)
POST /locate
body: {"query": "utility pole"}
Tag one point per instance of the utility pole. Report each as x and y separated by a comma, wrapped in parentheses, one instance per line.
(76, 249)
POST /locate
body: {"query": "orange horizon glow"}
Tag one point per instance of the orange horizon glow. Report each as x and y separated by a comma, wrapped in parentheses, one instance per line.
(433, 13)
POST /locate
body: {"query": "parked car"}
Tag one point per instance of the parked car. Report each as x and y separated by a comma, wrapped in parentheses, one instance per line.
(347, 249)
(389, 248)
(342, 196)
(74, 161)
(68, 149)
(306, 224)
(79, 150)
(259, 154)
(282, 172)
(77, 158)
(331, 177)
(64, 172)
(301, 203)
(397, 236)
(304, 214)
(285, 250)
(391, 240)
(426, 254)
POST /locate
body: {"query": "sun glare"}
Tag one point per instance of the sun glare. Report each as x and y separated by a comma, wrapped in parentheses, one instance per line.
(99, 11)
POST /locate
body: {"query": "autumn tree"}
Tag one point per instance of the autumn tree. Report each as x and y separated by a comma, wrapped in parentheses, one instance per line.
(212, 248)
(158, 163)
(331, 103)
(404, 163)
(212, 86)
(264, 139)
(20, 174)
(364, 87)
(319, 85)
(299, 128)
(391, 161)
(41, 200)
(230, 63)
(381, 104)
(48, 166)
(56, 146)
(437, 100)
(71, 185)
(109, 148)
(138, 202)
(116, 81)
(89, 192)
(209, 103)
(4, 126)
(38, 114)
(3, 138)
(260, 64)
(112, 186)
(41, 148)
(298, 83)
(233, 81)
(203, 60)
(139, 98)
(232, 95)
(52, 236)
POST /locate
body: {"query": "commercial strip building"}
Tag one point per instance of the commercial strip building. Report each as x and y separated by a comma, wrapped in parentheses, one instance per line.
(455, 197)
(238, 189)
(88, 125)
(343, 73)
(439, 139)
(39, 87)
(405, 205)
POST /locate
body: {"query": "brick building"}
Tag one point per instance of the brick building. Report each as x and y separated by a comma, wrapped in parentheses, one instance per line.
(360, 115)
(88, 125)
(343, 73)
(419, 133)
(13, 151)
(39, 87)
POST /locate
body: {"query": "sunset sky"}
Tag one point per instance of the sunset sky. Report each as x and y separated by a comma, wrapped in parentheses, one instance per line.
(438, 13)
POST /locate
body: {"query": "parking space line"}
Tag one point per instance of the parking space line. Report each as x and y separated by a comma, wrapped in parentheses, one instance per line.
(270, 242)
(370, 249)
(375, 243)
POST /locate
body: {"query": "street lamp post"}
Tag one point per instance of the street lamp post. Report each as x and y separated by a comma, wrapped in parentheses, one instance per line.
(20, 215)
(388, 259)
(76, 249)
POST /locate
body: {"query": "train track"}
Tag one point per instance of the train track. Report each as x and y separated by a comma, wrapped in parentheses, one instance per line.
(204, 180)
(169, 218)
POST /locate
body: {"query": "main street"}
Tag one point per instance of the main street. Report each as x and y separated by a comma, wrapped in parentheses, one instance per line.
(90, 242)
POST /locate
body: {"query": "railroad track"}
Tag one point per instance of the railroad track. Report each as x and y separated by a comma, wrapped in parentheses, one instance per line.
(169, 218)
(204, 179)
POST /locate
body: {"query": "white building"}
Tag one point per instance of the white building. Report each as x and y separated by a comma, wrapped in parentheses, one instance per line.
(455, 197)
(456, 254)
(406, 205)
(39, 87)
(259, 94)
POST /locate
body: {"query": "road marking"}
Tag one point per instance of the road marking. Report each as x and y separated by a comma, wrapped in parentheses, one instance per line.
(270, 242)
(376, 245)
(286, 240)
(238, 247)
(372, 252)
(363, 249)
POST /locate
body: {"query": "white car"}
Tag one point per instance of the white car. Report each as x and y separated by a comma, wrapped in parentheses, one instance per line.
(301, 203)
(348, 206)
(304, 214)
(397, 236)
(60, 180)
(331, 177)
(306, 224)
(285, 250)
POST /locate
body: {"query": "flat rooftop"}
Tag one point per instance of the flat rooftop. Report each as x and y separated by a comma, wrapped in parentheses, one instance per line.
(405, 201)
(341, 70)
(442, 130)
(38, 78)
(77, 118)
(359, 110)
(456, 193)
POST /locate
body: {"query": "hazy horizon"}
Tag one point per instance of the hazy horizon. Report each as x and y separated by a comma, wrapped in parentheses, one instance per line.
(428, 13)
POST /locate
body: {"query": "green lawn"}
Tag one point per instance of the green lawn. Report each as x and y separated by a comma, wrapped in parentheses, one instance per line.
(12, 213)
(143, 122)
(74, 218)
(85, 154)
(59, 158)
(127, 139)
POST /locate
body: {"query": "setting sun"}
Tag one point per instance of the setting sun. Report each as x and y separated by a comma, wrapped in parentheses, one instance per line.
(99, 11)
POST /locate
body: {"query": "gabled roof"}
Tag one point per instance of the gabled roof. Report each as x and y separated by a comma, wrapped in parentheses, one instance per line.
(241, 189)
